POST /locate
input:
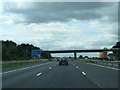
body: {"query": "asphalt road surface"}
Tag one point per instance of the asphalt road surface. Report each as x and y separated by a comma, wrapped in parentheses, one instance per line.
(51, 75)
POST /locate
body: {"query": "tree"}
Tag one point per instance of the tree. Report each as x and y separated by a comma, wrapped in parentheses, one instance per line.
(80, 56)
(117, 52)
(12, 51)
(8, 50)
(117, 45)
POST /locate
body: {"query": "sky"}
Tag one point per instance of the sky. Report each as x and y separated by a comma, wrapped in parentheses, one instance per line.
(60, 25)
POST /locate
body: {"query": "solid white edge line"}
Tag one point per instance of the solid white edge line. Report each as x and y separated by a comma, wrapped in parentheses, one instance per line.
(105, 66)
(23, 68)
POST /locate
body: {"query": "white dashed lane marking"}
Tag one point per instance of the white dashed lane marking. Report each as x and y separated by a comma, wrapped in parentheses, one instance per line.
(77, 67)
(50, 67)
(83, 73)
(38, 74)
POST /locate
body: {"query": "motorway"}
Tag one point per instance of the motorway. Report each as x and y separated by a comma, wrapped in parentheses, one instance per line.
(51, 75)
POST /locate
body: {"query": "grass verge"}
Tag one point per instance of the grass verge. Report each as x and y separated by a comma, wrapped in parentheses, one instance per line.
(87, 61)
(7, 65)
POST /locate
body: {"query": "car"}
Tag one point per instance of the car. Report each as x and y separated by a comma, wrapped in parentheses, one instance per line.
(63, 61)
(57, 59)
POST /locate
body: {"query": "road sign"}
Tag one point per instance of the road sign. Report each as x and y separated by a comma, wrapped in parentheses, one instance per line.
(36, 54)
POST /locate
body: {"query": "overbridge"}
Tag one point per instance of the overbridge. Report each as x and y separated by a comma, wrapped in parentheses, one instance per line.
(75, 51)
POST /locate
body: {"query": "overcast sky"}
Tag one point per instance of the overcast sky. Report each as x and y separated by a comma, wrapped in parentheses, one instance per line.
(60, 25)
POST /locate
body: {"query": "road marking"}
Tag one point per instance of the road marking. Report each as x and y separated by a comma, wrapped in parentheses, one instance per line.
(113, 68)
(24, 68)
(76, 66)
(105, 66)
(15, 70)
(49, 67)
(8, 71)
(83, 73)
(38, 74)
(102, 66)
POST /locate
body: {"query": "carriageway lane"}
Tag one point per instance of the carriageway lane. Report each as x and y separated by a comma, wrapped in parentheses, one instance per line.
(17, 77)
(104, 77)
(65, 77)
(48, 76)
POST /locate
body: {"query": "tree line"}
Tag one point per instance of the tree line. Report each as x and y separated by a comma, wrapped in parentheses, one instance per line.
(12, 51)
(117, 45)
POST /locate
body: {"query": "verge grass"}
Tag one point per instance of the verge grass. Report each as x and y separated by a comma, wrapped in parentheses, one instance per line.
(7, 65)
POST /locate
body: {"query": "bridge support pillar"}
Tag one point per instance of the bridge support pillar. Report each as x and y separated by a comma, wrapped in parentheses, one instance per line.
(75, 55)
(49, 56)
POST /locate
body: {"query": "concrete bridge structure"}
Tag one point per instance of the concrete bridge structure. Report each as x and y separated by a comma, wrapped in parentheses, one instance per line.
(75, 51)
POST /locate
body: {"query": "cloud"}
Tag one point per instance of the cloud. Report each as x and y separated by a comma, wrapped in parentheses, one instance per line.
(103, 27)
(45, 12)
(60, 26)
(61, 36)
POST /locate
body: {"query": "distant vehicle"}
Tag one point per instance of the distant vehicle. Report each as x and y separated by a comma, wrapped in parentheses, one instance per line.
(63, 61)
(111, 57)
(57, 59)
(86, 57)
(103, 55)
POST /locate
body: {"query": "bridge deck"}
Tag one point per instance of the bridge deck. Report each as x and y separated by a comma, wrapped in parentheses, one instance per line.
(71, 51)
